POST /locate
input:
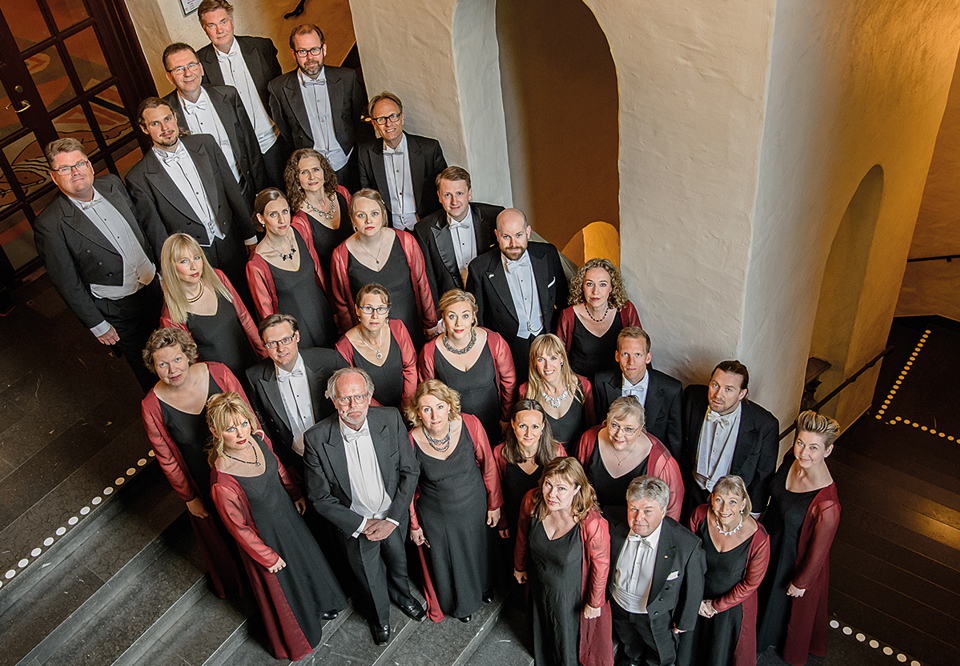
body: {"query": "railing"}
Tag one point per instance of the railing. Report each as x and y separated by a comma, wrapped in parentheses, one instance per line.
(946, 257)
(846, 382)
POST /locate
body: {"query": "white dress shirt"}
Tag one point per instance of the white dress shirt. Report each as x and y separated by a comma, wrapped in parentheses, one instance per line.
(181, 169)
(718, 440)
(370, 498)
(523, 290)
(235, 73)
(295, 393)
(202, 118)
(634, 572)
(403, 205)
(138, 270)
(316, 99)
(639, 389)
(464, 241)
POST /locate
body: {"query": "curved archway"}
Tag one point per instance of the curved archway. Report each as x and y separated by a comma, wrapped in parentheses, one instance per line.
(842, 285)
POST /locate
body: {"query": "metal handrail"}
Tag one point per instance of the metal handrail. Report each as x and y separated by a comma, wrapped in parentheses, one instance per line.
(946, 257)
(846, 382)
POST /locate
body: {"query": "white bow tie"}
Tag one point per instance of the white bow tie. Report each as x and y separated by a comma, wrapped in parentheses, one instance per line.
(285, 376)
(320, 81)
(637, 537)
(192, 108)
(721, 420)
(353, 435)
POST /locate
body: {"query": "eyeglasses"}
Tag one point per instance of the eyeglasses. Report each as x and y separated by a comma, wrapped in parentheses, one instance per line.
(380, 309)
(347, 399)
(79, 166)
(273, 344)
(393, 117)
(302, 53)
(613, 425)
(192, 66)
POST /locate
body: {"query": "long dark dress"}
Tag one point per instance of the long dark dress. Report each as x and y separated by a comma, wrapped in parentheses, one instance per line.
(221, 338)
(326, 239)
(395, 276)
(569, 427)
(515, 484)
(590, 354)
(783, 521)
(299, 295)
(387, 378)
(191, 434)
(452, 509)
(477, 387)
(307, 581)
(611, 491)
(715, 639)
(554, 570)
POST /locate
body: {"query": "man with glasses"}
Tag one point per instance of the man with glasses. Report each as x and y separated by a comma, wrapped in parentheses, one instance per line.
(360, 475)
(100, 258)
(287, 389)
(217, 111)
(402, 167)
(318, 106)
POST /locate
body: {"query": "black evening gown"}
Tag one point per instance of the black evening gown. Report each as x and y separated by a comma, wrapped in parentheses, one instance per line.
(554, 572)
(611, 491)
(478, 388)
(298, 294)
(452, 508)
(325, 239)
(221, 338)
(590, 354)
(190, 434)
(515, 484)
(307, 581)
(715, 639)
(569, 427)
(395, 276)
(387, 378)
(783, 521)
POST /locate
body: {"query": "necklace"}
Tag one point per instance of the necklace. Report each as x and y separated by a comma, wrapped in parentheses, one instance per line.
(379, 342)
(375, 258)
(619, 459)
(327, 214)
(439, 445)
(733, 531)
(604, 316)
(256, 458)
(461, 352)
(556, 402)
(197, 297)
(283, 257)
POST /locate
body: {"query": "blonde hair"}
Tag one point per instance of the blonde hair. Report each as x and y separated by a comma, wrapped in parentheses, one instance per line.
(570, 469)
(545, 344)
(438, 390)
(174, 248)
(731, 484)
(627, 405)
(454, 296)
(618, 292)
(818, 424)
(223, 410)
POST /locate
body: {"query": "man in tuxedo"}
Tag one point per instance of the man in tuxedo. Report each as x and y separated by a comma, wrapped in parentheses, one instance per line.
(248, 64)
(100, 259)
(519, 286)
(287, 390)
(402, 167)
(659, 393)
(217, 111)
(453, 237)
(656, 581)
(319, 106)
(360, 474)
(185, 184)
(724, 433)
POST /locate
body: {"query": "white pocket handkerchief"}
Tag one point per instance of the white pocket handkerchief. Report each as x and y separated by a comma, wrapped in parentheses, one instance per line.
(673, 575)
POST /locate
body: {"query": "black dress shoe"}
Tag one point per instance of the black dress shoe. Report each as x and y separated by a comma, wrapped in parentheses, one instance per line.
(332, 615)
(465, 618)
(381, 633)
(487, 596)
(413, 610)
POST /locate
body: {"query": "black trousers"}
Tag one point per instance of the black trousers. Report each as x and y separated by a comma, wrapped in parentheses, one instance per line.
(636, 632)
(381, 571)
(520, 350)
(349, 174)
(135, 317)
(275, 161)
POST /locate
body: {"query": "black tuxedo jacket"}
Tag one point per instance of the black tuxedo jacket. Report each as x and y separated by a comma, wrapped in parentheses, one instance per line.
(265, 398)
(487, 281)
(757, 448)
(662, 408)
(259, 55)
(229, 107)
(159, 202)
(676, 588)
(347, 102)
(436, 241)
(77, 254)
(426, 163)
(328, 480)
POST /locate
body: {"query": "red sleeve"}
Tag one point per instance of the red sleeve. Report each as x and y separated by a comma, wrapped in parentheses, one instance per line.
(345, 348)
(523, 527)
(344, 215)
(588, 411)
(301, 224)
(596, 538)
(697, 518)
(167, 322)
(506, 373)
(418, 276)
(230, 508)
(826, 517)
(565, 327)
(162, 443)
(246, 321)
(757, 560)
(428, 364)
(560, 451)
(629, 316)
(522, 391)
(500, 460)
(485, 460)
(340, 296)
(261, 286)
(409, 357)
(663, 466)
(588, 442)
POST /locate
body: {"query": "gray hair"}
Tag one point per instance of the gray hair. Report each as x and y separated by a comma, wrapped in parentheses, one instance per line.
(649, 487)
(332, 382)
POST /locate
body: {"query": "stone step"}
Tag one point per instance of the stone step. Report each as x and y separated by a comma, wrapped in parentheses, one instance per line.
(506, 643)
(449, 641)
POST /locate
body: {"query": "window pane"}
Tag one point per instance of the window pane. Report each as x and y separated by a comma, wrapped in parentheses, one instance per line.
(73, 123)
(108, 110)
(48, 73)
(30, 166)
(87, 57)
(9, 120)
(25, 21)
(16, 239)
(67, 12)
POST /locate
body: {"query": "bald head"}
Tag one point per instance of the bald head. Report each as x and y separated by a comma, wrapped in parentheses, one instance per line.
(513, 233)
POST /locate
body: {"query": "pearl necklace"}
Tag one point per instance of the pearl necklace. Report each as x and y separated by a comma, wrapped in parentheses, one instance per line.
(461, 352)
(439, 445)
(733, 531)
(329, 215)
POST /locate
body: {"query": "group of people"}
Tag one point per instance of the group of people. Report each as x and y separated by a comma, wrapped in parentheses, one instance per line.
(348, 371)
